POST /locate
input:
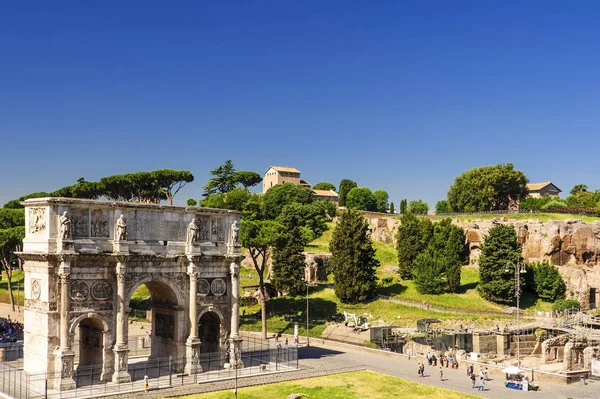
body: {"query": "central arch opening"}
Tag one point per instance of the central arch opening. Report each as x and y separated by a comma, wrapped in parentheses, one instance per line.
(157, 303)
(89, 336)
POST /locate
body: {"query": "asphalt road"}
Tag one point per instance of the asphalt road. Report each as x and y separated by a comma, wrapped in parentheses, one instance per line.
(325, 356)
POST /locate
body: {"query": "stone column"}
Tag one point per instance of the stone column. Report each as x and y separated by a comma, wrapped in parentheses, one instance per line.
(64, 356)
(192, 345)
(121, 349)
(235, 339)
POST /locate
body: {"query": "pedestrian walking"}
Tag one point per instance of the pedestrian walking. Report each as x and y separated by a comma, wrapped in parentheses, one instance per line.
(146, 384)
(473, 379)
(482, 384)
(419, 370)
(469, 370)
(441, 374)
(486, 374)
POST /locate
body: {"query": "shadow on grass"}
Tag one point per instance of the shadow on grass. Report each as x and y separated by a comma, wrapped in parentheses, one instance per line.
(466, 287)
(393, 289)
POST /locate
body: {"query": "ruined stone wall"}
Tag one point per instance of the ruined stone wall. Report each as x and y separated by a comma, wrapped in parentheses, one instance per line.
(572, 245)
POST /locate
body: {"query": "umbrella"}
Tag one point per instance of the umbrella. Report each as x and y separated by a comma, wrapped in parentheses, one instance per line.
(513, 370)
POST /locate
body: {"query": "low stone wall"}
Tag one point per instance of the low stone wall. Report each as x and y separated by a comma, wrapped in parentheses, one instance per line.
(484, 343)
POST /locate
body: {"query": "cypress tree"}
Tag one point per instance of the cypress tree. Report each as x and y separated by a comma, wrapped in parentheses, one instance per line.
(353, 259)
(288, 257)
(412, 238)
(498, 249)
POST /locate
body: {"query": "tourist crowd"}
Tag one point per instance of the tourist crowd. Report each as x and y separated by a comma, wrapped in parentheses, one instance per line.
(10, 330)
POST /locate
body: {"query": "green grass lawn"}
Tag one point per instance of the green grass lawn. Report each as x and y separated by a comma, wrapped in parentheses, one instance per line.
(17, 285)
(355, 385)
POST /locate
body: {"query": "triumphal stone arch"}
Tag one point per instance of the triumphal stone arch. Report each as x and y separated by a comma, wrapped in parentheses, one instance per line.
(83, 259)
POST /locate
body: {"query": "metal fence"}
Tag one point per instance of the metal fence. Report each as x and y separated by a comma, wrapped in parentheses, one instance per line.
(258, 357)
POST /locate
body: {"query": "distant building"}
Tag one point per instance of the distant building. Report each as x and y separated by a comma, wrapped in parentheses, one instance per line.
(282, 174)
(326, 195)
(537, 190)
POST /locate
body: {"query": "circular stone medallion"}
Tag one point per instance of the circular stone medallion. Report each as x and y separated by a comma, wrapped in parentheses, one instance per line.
(79, 290)
(101, 290)
(203, 287)
(218, 287)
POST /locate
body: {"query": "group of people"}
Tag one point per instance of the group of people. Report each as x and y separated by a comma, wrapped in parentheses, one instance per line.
(445, 361)
(482, 377)
(10, 330)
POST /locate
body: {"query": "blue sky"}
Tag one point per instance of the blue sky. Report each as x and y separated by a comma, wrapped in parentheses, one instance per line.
(402, 96)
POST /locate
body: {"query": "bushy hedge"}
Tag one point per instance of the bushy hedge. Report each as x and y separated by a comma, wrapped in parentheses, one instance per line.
(564, 304)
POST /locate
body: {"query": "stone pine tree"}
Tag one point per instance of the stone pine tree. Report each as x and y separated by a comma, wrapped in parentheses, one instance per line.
(345, 186)
(353, 259)
(412, 238)
(497, 275)
(288, 259)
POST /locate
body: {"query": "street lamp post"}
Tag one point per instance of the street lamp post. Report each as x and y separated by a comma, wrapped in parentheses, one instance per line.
(519, 269)
(307, 338)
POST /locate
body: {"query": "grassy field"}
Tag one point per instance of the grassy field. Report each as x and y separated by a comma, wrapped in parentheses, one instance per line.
(17, 288)
(355, 385)
(324, 305)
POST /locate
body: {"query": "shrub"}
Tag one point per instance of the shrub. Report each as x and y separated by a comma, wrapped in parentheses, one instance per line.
(548, 283)
(564, 304)
(554, 204)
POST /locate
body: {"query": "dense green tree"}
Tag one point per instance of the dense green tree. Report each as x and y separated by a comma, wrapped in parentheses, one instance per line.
(488, 188)
(566, 304)
(411, 239)
(281, 195)
(556, 203)
(442, 206)
(361, 198)
(534, 204)
(149, 187)
(392, 209)
(500, 251)
(329, 207)
(247, 178)
(235, 200)
(11, 218)
(16, 203)
(345, 186)
(447, 244)
(381, 199)
(545, 281)
(324, 186)
(12, 232)
(418, 207)
(258, 236)
(403, 206)
(578, 188)
(353, 259)
(429, 273)
(288, 259)
(224, 179)
(191, 202)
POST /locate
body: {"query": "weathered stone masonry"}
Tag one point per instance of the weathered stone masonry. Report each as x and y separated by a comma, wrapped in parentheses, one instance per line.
(83, 260)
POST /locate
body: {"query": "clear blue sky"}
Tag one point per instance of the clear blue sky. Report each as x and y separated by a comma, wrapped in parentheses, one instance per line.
(402, 96)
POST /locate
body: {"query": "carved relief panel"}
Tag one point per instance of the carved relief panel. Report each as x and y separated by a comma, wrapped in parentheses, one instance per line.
(99, 224)
(80, 220)
(37, 220)
(218, 229)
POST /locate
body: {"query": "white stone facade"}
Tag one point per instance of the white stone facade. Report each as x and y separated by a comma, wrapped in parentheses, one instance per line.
(82, 276)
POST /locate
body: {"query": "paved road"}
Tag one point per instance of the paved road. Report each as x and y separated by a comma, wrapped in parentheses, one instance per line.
(319, 356)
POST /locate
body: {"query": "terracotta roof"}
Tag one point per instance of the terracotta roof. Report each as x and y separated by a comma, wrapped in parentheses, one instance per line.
(283, 169)
(325, 193)
(539, 186)
(304, 183)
